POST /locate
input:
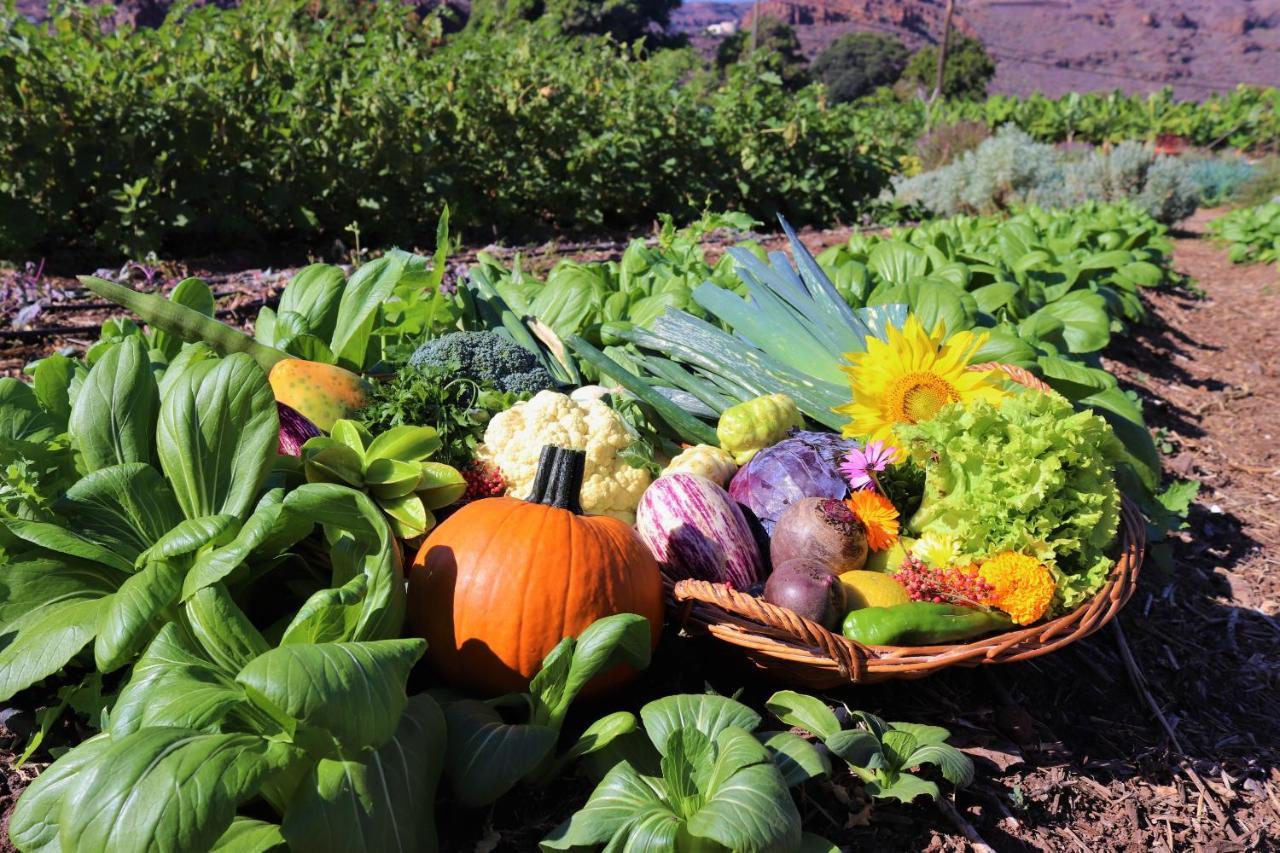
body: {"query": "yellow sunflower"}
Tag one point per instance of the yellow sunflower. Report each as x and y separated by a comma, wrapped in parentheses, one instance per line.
(910, 377)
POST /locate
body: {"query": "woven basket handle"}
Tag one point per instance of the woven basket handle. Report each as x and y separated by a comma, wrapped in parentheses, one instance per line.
(848, 655)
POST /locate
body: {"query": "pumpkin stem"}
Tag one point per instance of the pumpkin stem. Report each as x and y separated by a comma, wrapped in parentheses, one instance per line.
(542, 476)
(559, 478)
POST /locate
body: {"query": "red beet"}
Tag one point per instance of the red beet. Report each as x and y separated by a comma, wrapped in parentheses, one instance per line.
(823, 530)
(805, 586)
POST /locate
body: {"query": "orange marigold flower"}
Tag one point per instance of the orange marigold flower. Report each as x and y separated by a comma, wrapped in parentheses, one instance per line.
(1021, 586)
(878, 514)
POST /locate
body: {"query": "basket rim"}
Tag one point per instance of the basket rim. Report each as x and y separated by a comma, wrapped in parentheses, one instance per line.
(777, 638)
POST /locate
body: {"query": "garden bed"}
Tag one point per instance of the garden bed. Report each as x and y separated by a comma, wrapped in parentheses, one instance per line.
(1072, 754)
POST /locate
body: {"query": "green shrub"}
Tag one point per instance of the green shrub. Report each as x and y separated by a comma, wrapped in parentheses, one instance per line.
(968, 69)
(856, 64)
(273, 123)
(1263, 185)
(623, 19)
(1011, 170)
(1162, 186)
(1220, 179)
(1007, 170)
(489, 14)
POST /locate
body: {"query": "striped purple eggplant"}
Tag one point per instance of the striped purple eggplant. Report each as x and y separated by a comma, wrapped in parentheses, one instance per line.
(295, 429)
(695, 530)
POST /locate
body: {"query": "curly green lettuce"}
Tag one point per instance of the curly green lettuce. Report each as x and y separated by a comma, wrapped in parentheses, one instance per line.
(1030, 475)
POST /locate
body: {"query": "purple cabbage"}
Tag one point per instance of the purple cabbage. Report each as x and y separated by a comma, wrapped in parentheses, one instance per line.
(295, 429)
(803, 465)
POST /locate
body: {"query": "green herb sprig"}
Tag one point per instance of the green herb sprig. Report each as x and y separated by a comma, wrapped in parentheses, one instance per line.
(435, 395)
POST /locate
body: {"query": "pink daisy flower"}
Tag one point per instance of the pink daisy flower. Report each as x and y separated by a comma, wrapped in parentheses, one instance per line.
(861, 466)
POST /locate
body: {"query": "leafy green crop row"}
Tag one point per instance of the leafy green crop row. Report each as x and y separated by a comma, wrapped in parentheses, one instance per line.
(275, 121)
(1051, 286)
(578, 298)
(1247, 117)
(1252, 233)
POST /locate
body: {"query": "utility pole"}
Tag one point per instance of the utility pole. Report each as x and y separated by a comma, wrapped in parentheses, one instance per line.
(942, 50)
(755, 24)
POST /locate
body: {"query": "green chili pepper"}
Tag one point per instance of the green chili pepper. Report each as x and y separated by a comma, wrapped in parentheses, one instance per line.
(920, 623)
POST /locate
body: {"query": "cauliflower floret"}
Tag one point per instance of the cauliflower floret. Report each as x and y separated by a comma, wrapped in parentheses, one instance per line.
(515, 438)
(704, 461)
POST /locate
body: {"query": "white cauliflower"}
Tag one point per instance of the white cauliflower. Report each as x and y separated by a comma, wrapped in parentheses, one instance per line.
(515, 438)
(705, 461)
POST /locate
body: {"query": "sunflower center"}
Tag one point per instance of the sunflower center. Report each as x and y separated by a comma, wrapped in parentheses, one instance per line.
(916, 397)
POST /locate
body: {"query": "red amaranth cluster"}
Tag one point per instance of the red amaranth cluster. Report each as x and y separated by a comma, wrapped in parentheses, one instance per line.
(943, 586)
(483, 481)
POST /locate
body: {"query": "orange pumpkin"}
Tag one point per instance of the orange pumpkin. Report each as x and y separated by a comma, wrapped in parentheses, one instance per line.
(500, 582)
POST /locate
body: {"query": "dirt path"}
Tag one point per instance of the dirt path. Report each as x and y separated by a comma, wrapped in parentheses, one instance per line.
(1211, 377)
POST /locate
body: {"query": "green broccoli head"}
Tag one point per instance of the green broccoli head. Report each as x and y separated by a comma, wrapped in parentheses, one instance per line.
(487, 356)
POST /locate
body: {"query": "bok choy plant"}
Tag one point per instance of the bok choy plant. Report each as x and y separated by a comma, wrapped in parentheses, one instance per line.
(880, 754)
(259, 672)
(495, 744)
(702, 779)
(174, 498)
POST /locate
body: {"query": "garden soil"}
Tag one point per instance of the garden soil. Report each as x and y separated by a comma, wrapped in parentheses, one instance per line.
(1160, 732)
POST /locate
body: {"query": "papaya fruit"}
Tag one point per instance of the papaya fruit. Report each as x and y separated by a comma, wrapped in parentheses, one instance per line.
(322, 393)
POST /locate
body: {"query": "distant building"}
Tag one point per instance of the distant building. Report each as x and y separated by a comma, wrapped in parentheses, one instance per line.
(724, 28)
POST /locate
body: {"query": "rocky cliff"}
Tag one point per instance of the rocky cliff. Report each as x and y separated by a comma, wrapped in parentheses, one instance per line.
(1058, 46)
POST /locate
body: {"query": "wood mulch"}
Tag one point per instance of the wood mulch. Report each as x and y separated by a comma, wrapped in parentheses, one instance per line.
(1161, 733)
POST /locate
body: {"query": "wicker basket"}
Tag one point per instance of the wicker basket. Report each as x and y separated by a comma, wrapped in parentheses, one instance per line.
(802, 653)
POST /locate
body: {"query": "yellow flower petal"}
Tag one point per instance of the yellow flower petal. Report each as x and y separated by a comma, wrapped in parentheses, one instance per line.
(1021, 586)
(910, 376)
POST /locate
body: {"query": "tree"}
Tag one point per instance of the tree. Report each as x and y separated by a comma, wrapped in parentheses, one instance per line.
(968, 71)
(857, 63)
(625, 20)
(777, 47)
(486, 14)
